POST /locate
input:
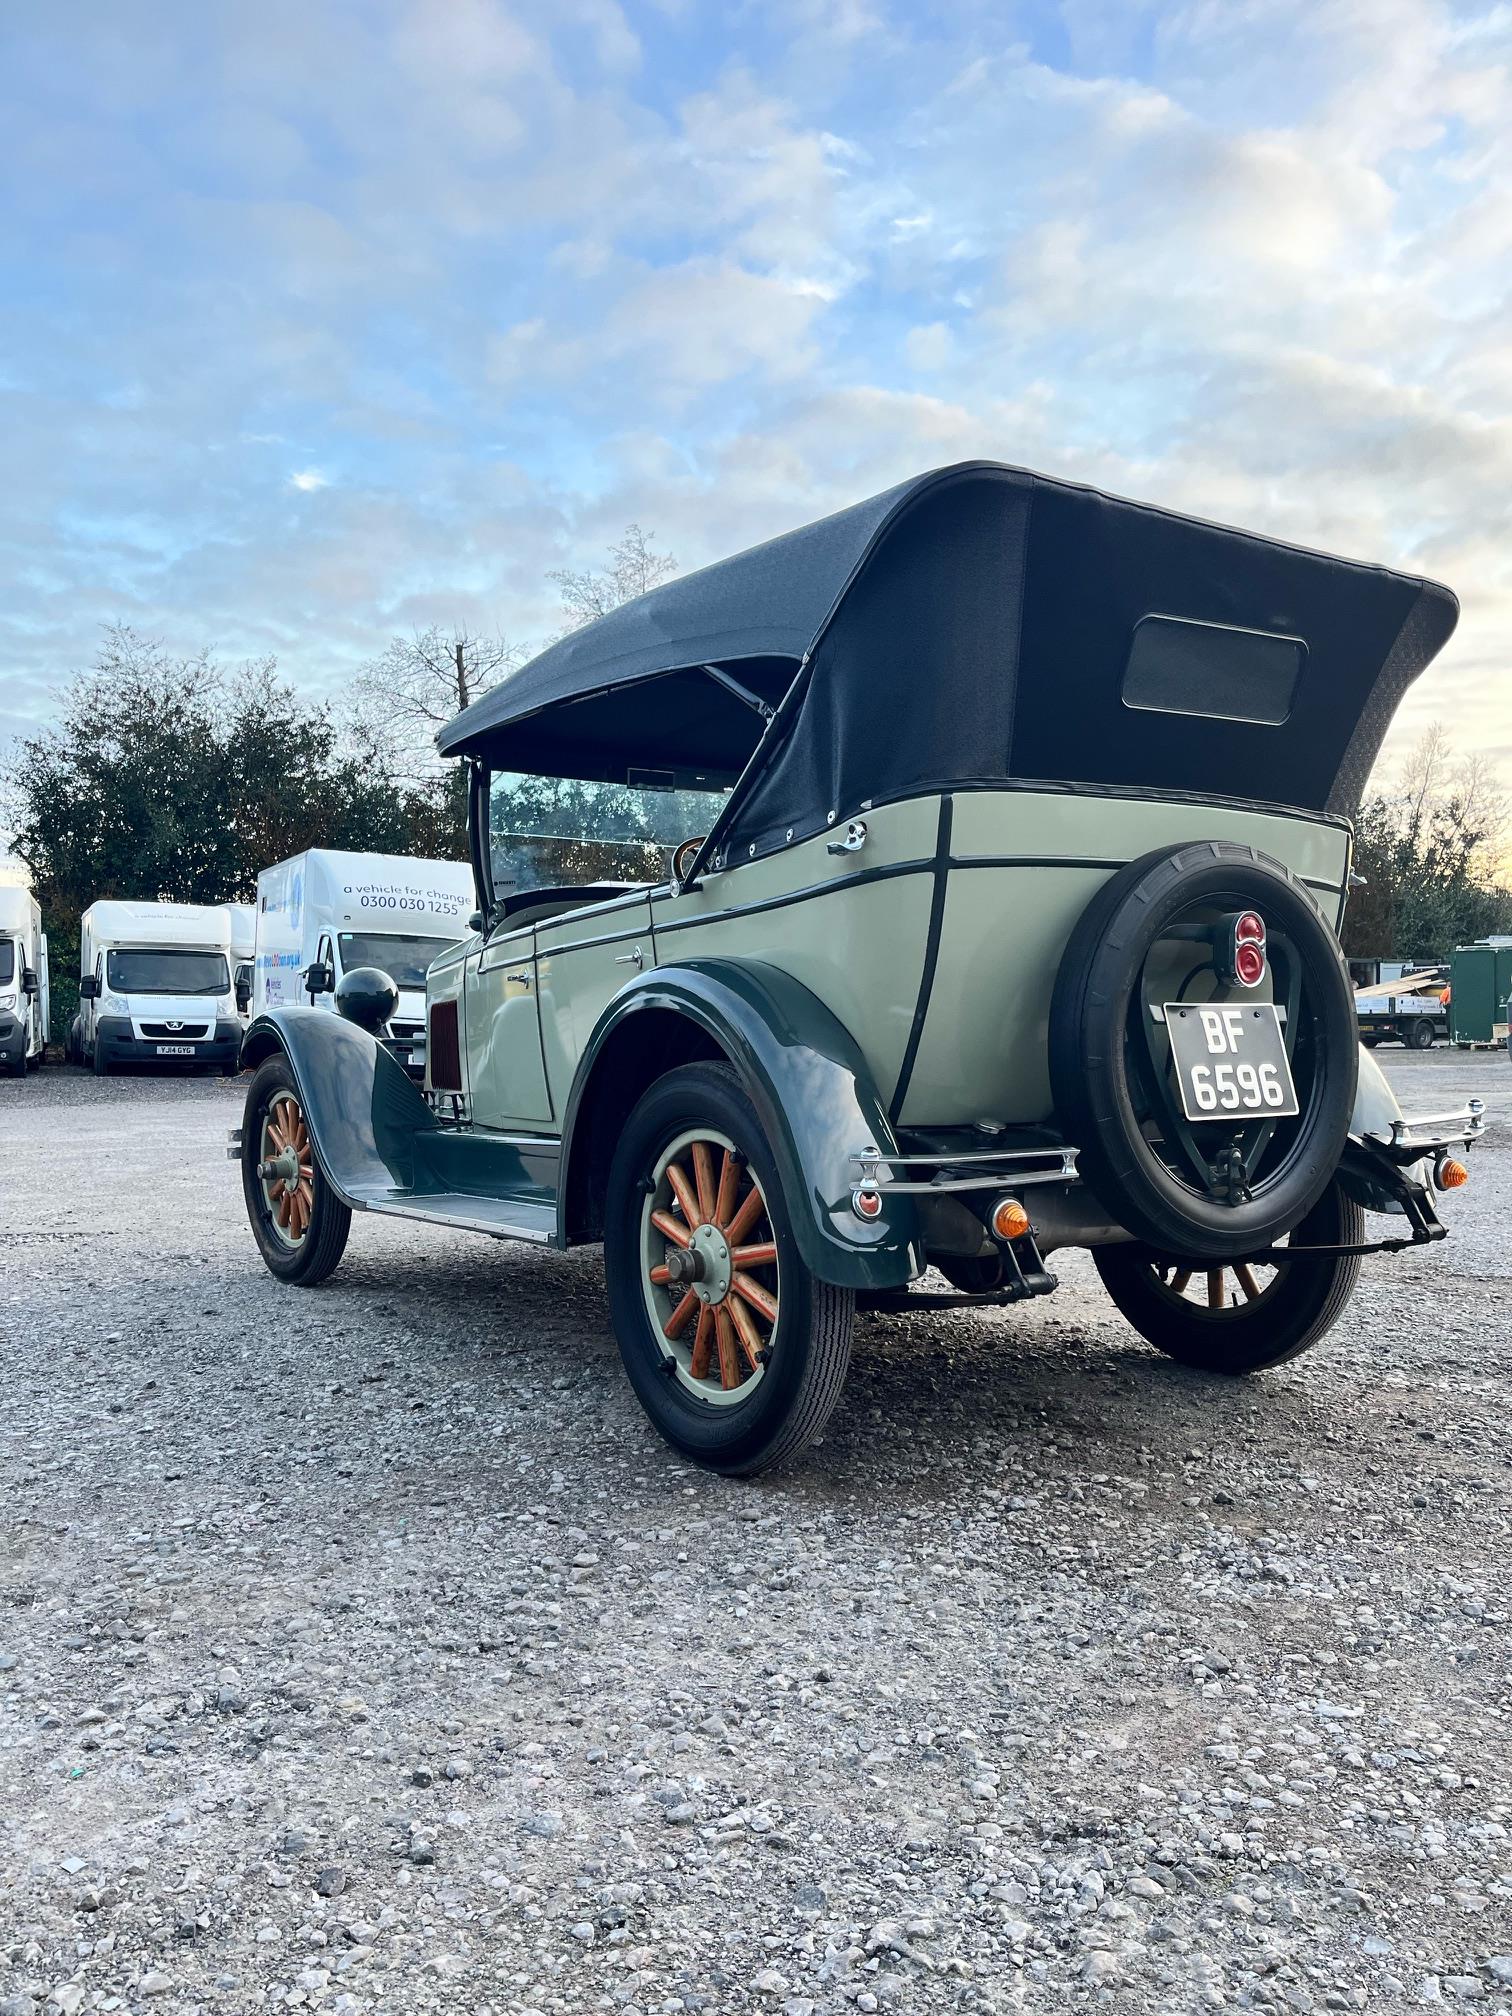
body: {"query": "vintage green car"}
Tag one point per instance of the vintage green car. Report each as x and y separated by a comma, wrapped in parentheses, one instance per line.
(952, 880)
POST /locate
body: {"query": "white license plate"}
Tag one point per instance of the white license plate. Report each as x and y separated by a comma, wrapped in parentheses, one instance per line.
(175, 1049)
(1231, 1061)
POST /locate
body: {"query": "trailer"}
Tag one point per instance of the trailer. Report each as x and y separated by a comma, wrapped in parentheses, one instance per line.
(1412, 1009)
(24, 1003)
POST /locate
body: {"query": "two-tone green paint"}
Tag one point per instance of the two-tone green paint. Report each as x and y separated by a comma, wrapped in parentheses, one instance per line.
(383, 1149)
(903, 985)
(1021, 867)
(814, 1097)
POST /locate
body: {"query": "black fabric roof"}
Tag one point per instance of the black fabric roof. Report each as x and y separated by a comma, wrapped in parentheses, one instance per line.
(765, 605)
(974, 624)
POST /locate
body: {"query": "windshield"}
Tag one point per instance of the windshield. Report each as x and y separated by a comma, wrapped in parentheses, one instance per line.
(403, 959)
(551, 831)
(166, 972)
(7, 961)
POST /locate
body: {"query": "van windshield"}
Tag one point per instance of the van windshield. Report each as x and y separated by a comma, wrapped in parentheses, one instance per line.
(7, 961)
(404, 959)
(166, 973)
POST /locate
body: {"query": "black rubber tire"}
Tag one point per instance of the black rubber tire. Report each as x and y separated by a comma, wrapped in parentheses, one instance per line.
(980, 1275)
(316, 1256)
(1420, 1036)
(797, 1393)
(1306, 1300)
(97, 1063)
(1104, 962)
(1369, 1042)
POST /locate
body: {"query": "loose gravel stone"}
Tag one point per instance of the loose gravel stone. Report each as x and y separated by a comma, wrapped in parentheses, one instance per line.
(366, 1653)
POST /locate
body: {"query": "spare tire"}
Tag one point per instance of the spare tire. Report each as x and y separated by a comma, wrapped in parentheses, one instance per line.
(1153, 1171)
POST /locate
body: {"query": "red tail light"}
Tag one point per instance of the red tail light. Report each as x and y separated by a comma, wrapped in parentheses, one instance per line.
(1242, 947)
(1249, 965)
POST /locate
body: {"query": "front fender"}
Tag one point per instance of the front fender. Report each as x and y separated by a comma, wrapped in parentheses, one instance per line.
(813, 1096)
(364, 1114)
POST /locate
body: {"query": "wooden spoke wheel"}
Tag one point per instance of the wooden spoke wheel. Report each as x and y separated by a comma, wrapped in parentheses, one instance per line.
(298, 1220)
(1236, 1316)
(711, 1266)
(1232, 1284)
(735, 1348)
(286, 1169)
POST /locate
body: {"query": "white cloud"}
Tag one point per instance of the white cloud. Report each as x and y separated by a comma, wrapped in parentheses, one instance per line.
(930, 346)
(520, 273)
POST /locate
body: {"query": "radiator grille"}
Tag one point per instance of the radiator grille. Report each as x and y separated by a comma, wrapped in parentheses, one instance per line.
(443, 1051)
(183, 1032)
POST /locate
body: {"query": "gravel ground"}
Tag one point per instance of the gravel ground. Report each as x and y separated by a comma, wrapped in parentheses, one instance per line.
(365, 1650)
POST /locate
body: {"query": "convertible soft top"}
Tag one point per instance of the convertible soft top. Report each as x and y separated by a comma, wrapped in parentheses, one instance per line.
(979, 624)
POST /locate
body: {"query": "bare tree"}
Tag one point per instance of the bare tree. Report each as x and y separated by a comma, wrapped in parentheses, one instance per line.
(634, 568)
(399, 701)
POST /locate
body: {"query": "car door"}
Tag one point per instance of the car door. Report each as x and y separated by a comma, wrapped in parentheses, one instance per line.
(584, 957)
(501, 1016)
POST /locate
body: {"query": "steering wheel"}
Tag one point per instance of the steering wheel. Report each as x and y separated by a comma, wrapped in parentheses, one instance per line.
(685, 854)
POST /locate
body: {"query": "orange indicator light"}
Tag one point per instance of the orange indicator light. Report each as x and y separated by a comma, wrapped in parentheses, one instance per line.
(1009, 1219)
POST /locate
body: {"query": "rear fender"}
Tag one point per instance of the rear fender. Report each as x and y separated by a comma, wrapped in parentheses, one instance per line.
(364, 1115)
(813, 1096)
(1375, 1109)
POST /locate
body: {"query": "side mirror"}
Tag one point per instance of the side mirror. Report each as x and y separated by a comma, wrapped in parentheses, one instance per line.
(28, 981)
(89, 987)
(318, 978)
(243, 996)
(476, 921)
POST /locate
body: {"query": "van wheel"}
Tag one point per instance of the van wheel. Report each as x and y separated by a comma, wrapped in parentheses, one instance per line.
(1420, 1036)
(735, 1350)
(299, 1222)
(1240, 1316)
(97, 1062)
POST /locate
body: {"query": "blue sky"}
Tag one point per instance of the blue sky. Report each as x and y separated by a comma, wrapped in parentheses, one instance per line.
(322, 321)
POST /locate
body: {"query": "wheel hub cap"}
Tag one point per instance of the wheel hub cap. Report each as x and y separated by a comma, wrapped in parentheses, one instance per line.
(711, 1282)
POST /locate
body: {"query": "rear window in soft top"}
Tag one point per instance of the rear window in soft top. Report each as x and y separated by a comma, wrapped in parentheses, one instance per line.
(1178, 666)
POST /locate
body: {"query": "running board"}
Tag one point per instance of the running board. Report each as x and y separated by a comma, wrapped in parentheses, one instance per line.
(500, 1218)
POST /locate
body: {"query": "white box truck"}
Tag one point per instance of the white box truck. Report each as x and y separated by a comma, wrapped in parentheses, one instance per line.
(155, 986)
(243, 918)
(23, 982)
(323, 913)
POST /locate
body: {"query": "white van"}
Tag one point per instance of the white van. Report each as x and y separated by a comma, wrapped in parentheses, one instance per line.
(155, 986)
(323, 913)
(23, 982)
(243, 952)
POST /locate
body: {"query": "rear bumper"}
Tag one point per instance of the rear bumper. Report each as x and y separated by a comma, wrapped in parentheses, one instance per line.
(116, 1042)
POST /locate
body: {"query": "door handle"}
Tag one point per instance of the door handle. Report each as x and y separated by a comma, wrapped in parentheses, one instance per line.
(634, 957)
(525, 977)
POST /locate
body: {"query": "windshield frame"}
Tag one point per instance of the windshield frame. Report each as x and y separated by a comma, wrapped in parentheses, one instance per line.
(116, 986)
(682, 785)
